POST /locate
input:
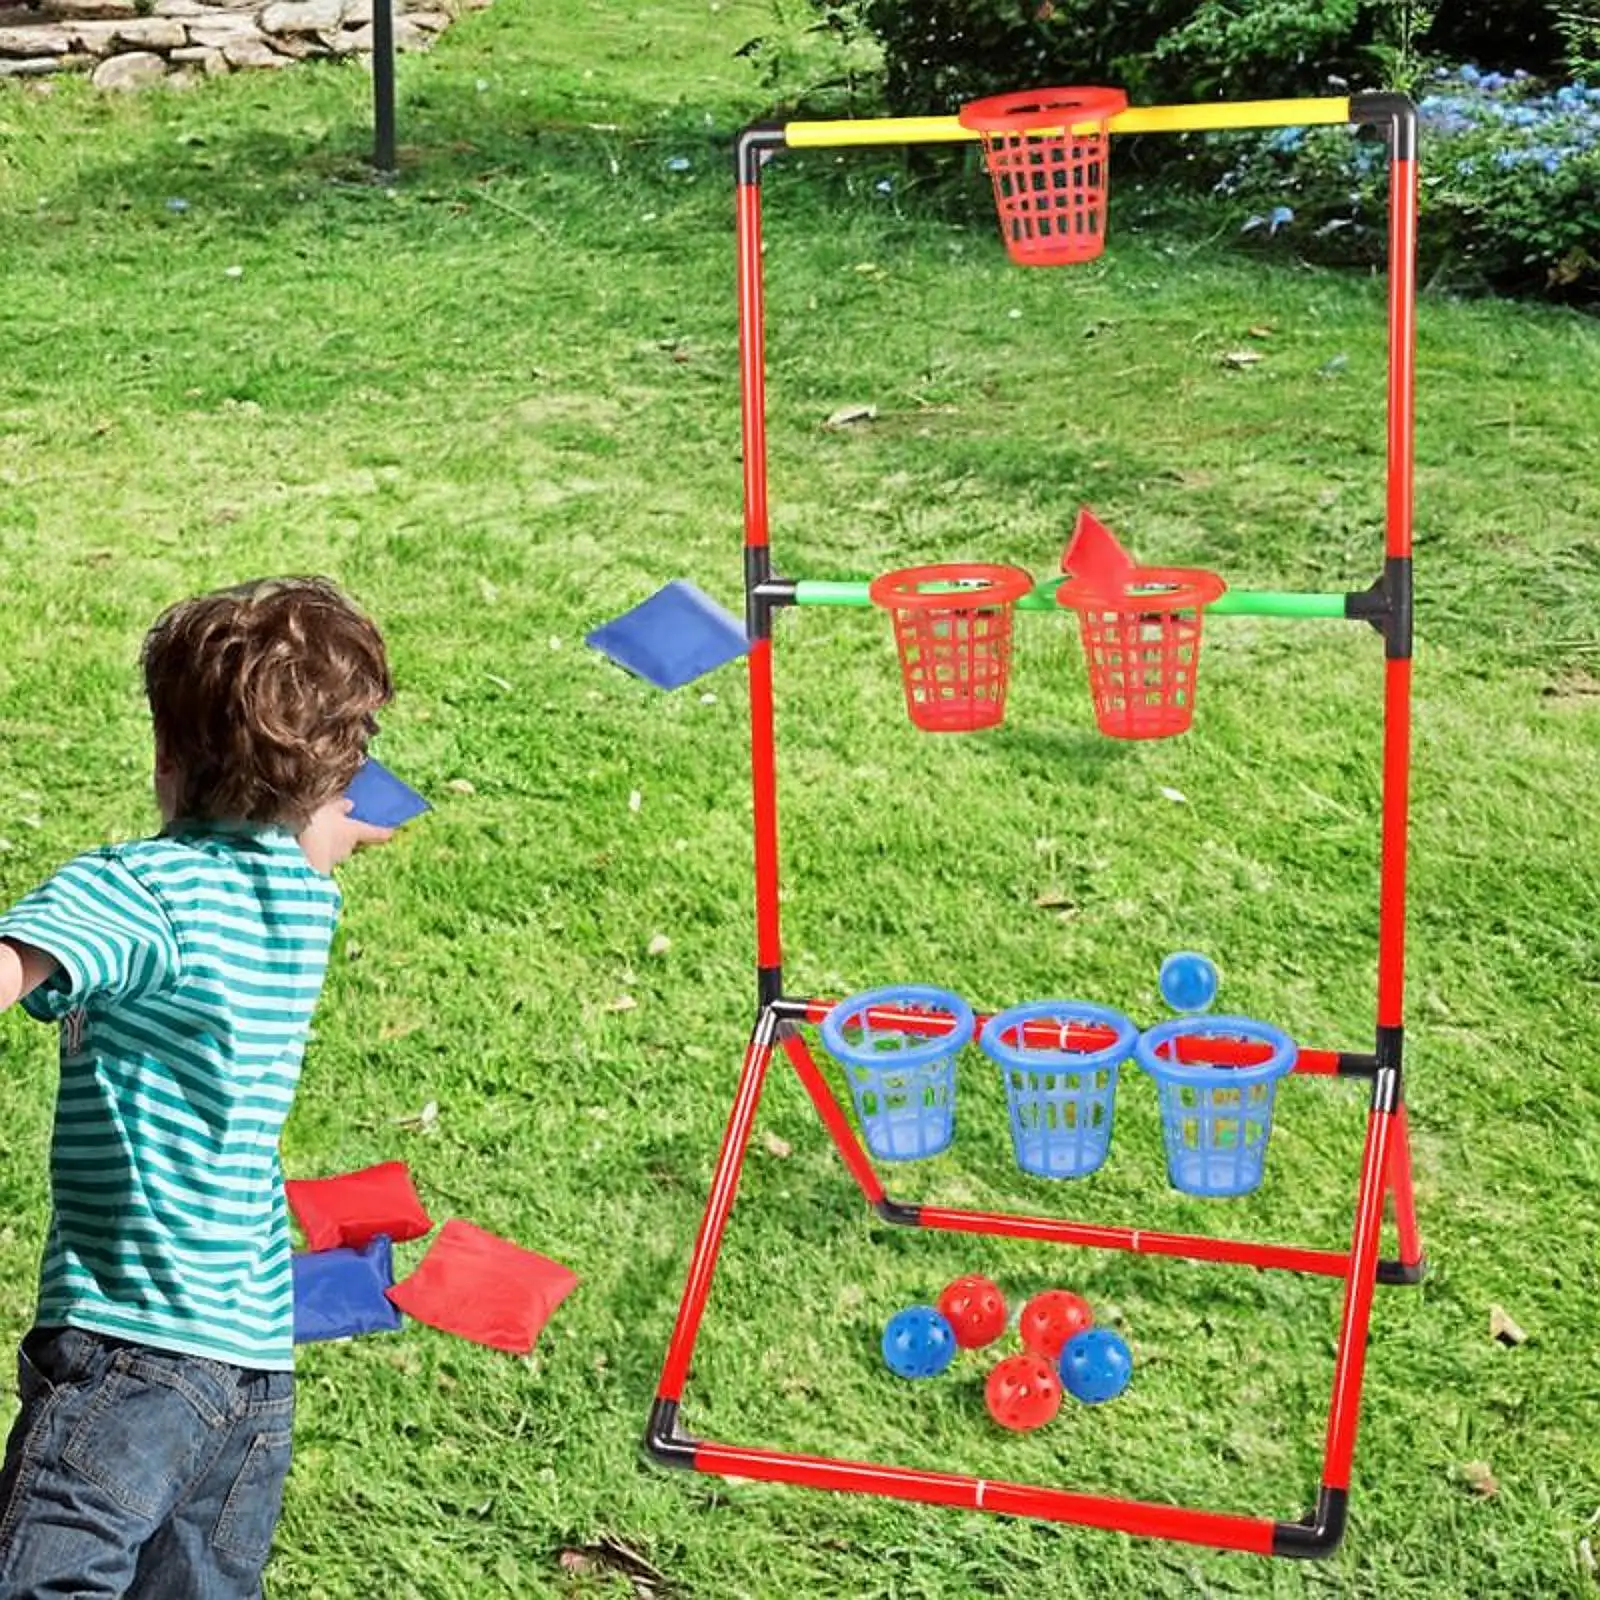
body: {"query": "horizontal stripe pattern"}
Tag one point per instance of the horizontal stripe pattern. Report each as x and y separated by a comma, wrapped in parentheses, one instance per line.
(190, 966)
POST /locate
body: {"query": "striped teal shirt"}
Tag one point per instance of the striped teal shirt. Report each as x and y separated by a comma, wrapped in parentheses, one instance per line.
(190, 967)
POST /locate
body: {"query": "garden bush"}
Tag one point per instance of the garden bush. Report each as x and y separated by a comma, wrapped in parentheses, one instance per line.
(1509, 192)
(939, 53)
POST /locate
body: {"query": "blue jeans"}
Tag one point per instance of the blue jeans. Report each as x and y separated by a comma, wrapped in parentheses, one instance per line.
(138, 1473)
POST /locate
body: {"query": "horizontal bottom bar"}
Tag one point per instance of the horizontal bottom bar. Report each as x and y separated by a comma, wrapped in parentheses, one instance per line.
(1141, 1241)
(1216, 1529)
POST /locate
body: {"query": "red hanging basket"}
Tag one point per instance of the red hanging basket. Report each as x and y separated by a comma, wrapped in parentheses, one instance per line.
(952, 624)
(1048, 152)
(1143, 647)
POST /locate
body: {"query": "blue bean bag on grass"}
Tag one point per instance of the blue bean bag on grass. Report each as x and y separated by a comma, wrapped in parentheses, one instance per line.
(340, 1293)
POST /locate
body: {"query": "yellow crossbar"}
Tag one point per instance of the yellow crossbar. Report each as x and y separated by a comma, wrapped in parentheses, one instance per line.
(1137, 119)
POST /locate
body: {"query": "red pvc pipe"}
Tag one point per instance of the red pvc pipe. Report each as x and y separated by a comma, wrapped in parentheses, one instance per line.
(1217, 1529)
(1402, 351)
(1350, 1359)
(1192, 1247)
(833, 1118)
(1402, 1190)
(752, 363)
(724, 1185)
(1397, 680)
(764, 803)
(1396, 803)
(753, 421)
(1041, 1035)
(1311, 1063)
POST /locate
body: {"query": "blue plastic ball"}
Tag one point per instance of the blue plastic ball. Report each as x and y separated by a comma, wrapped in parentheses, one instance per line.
(918, 1343)
(1188, 982)
(1096, 1365)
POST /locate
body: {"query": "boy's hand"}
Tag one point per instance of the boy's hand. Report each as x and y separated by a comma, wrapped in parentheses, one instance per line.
(333, 835)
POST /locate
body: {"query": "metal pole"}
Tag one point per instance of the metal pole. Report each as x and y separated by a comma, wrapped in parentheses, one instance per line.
(383, 156)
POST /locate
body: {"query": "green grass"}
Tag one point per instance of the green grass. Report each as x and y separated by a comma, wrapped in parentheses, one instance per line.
(499, 401)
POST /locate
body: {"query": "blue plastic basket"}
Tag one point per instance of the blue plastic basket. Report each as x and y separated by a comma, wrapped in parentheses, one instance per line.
(1215, 1118)
(1061, 1081)
(903, 1080)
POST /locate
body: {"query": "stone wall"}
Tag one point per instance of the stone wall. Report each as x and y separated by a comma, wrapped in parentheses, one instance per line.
(127, 44)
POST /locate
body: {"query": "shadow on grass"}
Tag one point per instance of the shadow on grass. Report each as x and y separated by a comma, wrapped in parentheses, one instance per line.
(253, 149)
(253, 155)
(1091, 758)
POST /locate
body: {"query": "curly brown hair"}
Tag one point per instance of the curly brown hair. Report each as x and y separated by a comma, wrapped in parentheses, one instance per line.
(263, 698)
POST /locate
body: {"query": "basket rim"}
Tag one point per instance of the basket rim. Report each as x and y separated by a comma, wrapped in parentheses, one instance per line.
(1180, 588)
(899, 994)
(1042, 110)
(993, 583)
(1284, 1052)
(1025, 1059)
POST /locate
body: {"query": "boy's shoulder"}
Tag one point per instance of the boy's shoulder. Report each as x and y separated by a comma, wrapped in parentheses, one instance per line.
(150, 860)
(175, 866)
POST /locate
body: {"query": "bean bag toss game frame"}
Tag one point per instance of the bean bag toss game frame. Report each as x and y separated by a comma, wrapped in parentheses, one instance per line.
(1048, 155)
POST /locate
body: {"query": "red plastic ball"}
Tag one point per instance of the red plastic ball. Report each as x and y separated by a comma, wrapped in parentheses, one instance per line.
(1050, 1319)
(1023, 1392)
(975, 1309)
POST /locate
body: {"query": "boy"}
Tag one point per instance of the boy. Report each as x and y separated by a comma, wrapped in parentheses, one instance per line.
(149, 1457)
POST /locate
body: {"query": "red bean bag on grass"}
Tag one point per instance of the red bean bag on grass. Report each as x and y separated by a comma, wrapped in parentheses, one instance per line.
(484, 1288)
(353, 1209)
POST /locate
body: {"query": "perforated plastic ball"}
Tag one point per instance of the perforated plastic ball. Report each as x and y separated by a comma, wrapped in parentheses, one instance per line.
(1096, 1365)
(1050, 1319)
(918, 1343)
(1188, 982)
(1023, 1392)
(976, 1309)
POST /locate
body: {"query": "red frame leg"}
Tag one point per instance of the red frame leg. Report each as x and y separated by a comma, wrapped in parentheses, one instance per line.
(1400, 1187)
(724, 1186)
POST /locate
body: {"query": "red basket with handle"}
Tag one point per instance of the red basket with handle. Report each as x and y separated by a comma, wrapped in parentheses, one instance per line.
(1048, 152)
(952, 624)
(1142, 647)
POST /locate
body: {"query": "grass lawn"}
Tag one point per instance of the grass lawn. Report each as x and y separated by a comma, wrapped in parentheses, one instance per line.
(498, 400)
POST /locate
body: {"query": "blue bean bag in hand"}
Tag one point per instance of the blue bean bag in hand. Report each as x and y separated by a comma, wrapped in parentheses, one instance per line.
(340, 1293)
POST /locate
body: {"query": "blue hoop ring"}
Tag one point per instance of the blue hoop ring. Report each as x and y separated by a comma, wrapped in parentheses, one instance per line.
(1028, 1059)
(1284, 1051)
(905, 994)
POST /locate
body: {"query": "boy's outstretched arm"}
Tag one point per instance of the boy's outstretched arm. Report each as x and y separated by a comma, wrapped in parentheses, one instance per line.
(22, 970)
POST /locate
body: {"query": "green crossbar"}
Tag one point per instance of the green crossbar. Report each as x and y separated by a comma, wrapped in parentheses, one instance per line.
(1232, 603)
